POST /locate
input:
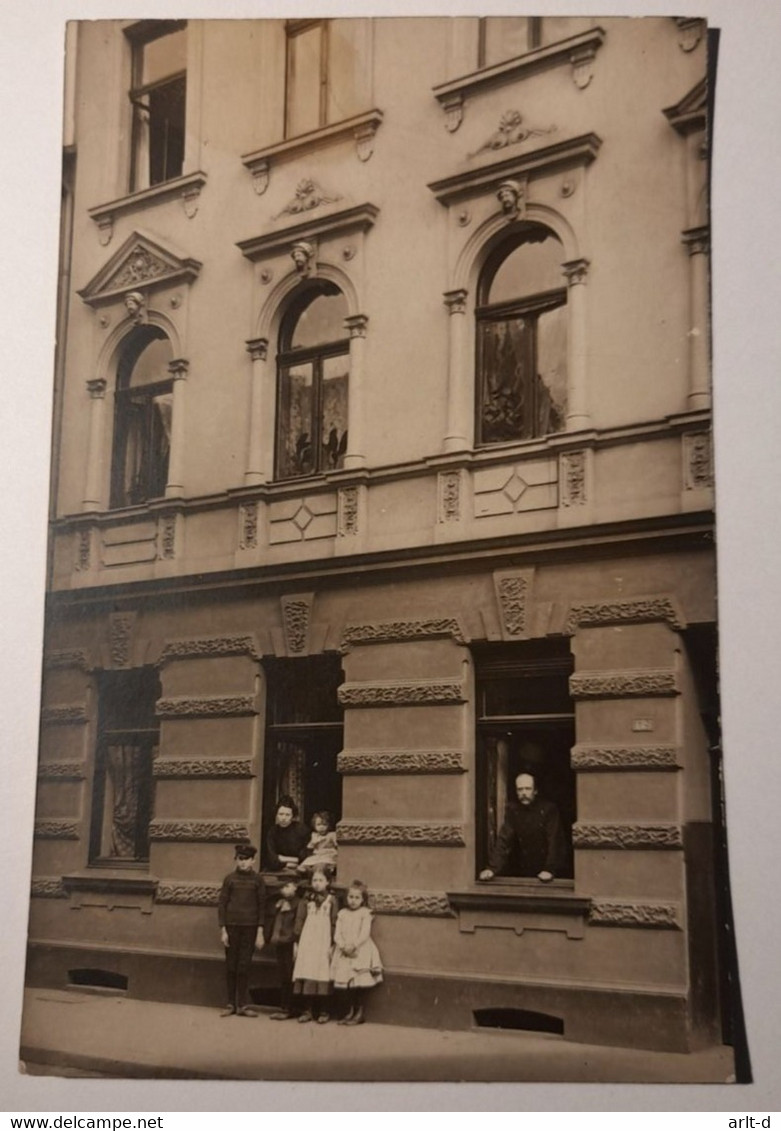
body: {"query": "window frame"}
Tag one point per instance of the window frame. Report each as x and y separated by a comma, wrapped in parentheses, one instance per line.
(534, 31)
(142, 34)
(294, 28)
(288, 357)
(124, 396)
(526, 307)
(147, 738)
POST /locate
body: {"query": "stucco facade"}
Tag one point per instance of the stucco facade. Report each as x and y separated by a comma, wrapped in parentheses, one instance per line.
(428, 568)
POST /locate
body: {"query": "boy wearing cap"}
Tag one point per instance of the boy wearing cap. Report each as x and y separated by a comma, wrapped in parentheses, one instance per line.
(240, 910)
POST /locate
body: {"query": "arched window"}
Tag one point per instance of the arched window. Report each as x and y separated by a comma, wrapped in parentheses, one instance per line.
(313, 371)
(142, 418)
(522, 339)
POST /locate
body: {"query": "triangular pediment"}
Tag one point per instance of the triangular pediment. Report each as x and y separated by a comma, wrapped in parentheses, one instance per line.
(690, 113)
(139, 264)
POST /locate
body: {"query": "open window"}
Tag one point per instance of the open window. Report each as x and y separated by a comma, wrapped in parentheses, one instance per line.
(303, 737)
(142, 418)
(158, 95)
(128, 737)
(522, 339)
(312, 390)
(526, 726)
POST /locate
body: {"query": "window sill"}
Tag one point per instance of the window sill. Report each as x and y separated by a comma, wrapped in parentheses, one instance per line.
(362, 127)
(187, 189)
(555, 898)
(578, 50)
(111, 886)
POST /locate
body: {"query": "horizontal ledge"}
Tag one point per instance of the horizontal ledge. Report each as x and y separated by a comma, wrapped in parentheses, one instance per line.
(354, 762)
(599, 834)
(592, 758)
(370, 119)
(205, 706)
(157, 194)
(202, 768)
(108, 881)
(208, 647)
(186, 830)
(393, 632)
(565, 903)
(65, 714)
(56, 828)
(644, 684)
(359, 218)
(431, 834)
(62, 771)
(622, 913)
(398, 694)
(550, 55)
(632, 610)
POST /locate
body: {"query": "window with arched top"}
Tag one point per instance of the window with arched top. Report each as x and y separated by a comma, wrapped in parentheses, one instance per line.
(142, 418)
(313, 366)
(522, 339)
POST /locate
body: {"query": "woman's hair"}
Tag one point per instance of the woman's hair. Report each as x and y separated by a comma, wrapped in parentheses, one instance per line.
(322, 815)
(287, 802)
(359, 885)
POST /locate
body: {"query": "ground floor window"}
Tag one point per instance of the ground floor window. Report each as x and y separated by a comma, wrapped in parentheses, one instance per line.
(303, 738)
(525, 796)
(128, 737)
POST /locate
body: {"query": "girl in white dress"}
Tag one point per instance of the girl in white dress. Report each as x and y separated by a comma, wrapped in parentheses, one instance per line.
(356, 964)
(314, 931)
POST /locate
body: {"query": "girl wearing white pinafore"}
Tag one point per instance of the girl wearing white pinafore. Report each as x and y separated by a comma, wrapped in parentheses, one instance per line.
(314, 931)
(356, 964)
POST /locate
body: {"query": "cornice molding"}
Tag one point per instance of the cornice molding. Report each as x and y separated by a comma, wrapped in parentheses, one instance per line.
(186, 830)
(396, 632)
(397, 694)
(586, 757)
(355, 762)
(205, 706)
(207, 647)
(647, 684)
(141, 262)
(361, 127)
(187, 189)
(635, 610)
(359, 218)
(56, 828)
(690, 114)
(581, 150)
(615, 913)
(440, 834)
(599, 834)
(202, 768)
(427, 904)
(578, 50)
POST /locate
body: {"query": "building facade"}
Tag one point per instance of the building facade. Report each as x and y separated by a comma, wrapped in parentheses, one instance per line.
(382, 474)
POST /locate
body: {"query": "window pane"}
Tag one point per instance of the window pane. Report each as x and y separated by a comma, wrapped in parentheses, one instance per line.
(334, 432)
(126, 812)
(538, 693)
(304, 691)
(166, 131)
(505, 37)
(295, 455)
(164, 56)
(343, 70)
(152, 363)
(531, 269)
(551, 374)
(321, 322)
(506, 356)
(304, 54)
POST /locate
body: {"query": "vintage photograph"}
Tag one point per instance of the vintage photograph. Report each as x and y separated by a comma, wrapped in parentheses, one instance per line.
(380, 732)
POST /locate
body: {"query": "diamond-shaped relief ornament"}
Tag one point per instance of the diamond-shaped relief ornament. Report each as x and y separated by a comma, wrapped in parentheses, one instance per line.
(302, 517)
(514, 487)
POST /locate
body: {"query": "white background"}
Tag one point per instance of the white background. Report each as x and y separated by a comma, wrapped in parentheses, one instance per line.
(747, 379)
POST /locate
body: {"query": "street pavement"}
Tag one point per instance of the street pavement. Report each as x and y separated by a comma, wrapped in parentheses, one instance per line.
(68, 1032)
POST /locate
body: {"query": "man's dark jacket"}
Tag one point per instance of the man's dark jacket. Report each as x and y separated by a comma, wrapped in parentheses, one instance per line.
(530, 841)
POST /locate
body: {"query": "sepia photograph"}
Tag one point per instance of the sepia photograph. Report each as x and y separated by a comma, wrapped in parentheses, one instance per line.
(380, 723)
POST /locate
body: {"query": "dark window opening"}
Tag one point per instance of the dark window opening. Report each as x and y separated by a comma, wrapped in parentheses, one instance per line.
(521, 387)
(99, 979)
(304, 735)
(312, 387)
(143, 406)
(158, 97)
(128, 737)
(501, 1017)
(526, 726)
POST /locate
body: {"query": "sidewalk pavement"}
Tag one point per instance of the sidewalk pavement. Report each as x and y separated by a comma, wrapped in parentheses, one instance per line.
(73, 1032)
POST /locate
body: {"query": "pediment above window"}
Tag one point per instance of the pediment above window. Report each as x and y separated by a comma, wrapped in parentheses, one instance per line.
(141, 262)
(544, 161)
(690, 114)
(280, 237)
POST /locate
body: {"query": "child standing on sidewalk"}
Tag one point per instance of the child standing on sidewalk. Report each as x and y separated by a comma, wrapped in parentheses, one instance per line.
(279, 930)
(240, 911)
(356, 964)
(315, 932)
